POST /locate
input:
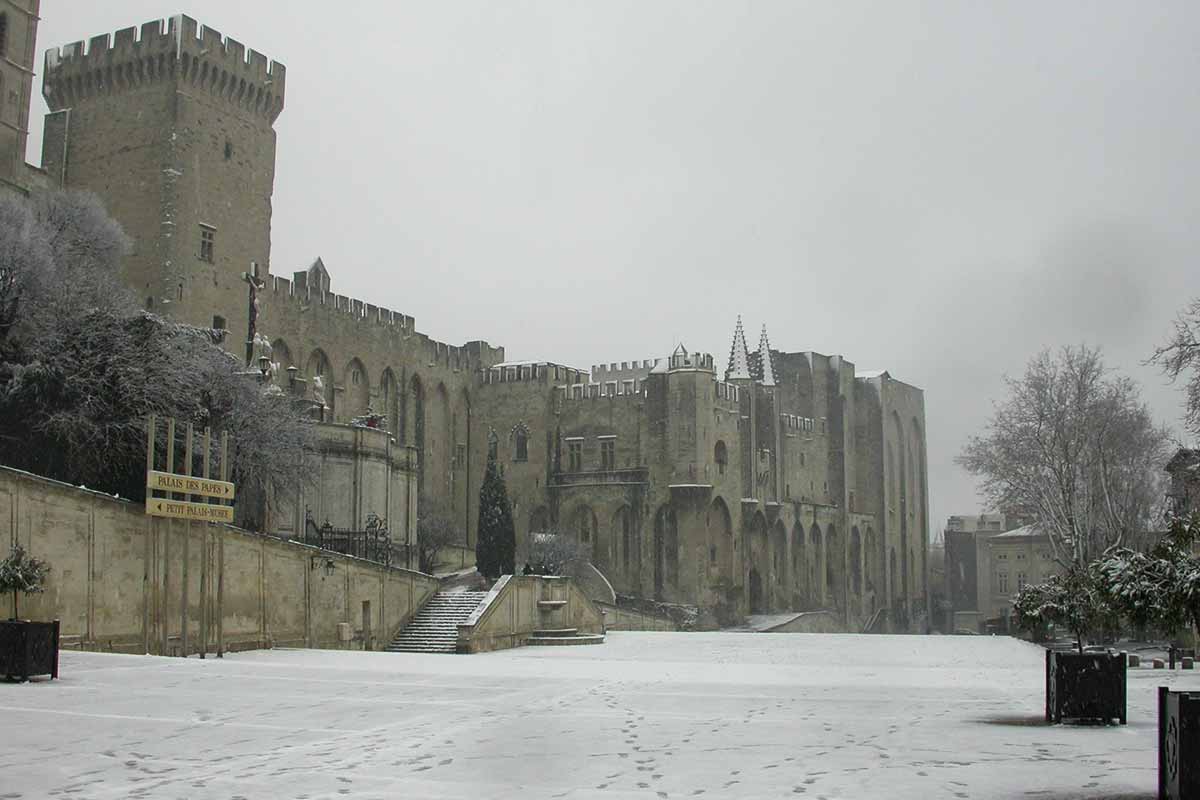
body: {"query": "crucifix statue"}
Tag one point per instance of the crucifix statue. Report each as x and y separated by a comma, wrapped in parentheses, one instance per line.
(255, 284)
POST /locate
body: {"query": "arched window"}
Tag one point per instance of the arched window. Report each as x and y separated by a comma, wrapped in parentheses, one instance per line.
(520, 444)
(721, 456)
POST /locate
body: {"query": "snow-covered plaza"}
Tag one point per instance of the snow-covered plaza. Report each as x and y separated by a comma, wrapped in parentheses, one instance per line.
(647, 715)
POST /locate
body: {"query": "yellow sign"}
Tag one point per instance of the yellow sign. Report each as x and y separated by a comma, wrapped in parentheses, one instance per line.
(185, 484)
(198, 512)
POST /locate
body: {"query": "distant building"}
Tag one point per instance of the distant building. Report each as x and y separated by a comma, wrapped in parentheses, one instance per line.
(1183, 496)
(989, 557)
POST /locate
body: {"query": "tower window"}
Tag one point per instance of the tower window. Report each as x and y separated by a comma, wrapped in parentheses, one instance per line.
(3, 35)
(575, 455)
(608, 453)
(218, 322)
(208, 238)
(228, 149)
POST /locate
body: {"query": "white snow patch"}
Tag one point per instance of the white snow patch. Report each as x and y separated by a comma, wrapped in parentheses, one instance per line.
(723, 715)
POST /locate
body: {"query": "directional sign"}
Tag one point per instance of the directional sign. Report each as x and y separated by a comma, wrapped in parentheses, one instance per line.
(186, 484)
(177, 509)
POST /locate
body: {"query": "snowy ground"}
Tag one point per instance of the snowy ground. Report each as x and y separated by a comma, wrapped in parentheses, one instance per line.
(647, 715)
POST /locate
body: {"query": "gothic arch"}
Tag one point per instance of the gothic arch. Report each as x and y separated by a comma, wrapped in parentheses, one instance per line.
(835, 565)
(721, 457)
(358, 389)
(759, 569)
(816, 566)
(779, 566)
(388, 401)
(856, 564)
(318, 366)
(720, 543)
(438, 442)
(415, 426)
(281, 354)
(799, 564)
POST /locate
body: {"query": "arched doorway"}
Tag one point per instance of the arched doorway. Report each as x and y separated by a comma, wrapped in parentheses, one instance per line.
(720, 543)
(757, 603)
(779, 567)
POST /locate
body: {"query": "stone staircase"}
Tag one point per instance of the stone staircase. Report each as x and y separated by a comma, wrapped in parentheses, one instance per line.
(435, 627)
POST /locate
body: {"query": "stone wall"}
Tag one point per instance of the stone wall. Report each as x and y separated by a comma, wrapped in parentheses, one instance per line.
(122, 581)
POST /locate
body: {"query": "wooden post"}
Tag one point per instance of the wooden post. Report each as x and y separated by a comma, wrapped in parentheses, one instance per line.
(221, 555)
(187, 537)
(166, 582)
(147, 550)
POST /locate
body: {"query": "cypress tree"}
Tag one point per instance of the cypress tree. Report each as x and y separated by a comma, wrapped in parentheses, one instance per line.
(496, 544)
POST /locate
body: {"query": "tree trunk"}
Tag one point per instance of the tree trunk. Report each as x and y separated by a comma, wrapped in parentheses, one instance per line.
(14, 616)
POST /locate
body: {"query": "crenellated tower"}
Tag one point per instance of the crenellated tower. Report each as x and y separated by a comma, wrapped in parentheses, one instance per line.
(172, 124)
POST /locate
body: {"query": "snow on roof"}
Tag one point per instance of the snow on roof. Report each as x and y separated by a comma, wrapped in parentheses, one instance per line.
(1016, 533)
(503, 364)
(871, 373)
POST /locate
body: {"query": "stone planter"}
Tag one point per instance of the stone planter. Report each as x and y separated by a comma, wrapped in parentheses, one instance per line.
(28, 648)
(1085, 686)
(1178, 745)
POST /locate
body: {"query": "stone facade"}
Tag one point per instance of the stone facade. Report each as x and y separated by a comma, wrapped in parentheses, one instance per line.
(18, 46)
(787, 482)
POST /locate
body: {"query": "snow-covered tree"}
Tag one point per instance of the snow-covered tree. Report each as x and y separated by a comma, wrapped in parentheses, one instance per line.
(1074, 448)
(22, 573)
(81, 366)
(1180, 357)
(496, 544)
(1073, 600)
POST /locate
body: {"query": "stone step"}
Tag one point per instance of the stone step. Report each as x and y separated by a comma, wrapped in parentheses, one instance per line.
(434, 629)
(552, 641)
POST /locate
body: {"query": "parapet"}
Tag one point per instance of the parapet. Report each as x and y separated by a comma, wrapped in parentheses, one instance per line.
(637, 368)
(174, 49)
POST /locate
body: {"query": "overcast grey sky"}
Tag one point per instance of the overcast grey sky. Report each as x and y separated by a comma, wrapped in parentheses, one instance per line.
(935, 188)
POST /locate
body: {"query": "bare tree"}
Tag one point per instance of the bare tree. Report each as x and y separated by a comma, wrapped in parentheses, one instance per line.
(1074, 448)
(435, 532)
(1180, 355)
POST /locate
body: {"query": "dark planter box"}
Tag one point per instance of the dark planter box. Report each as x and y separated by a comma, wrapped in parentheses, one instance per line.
(1178, 745)
(1085, 686)
(28, 648)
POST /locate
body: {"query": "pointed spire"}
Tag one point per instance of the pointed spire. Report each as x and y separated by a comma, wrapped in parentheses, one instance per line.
(766, 367)
(739, 356)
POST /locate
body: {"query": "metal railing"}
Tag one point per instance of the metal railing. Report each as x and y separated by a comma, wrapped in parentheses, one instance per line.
(373, 543)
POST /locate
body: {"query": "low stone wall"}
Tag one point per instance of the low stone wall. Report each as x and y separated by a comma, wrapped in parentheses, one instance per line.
(511, 613)
(623, 619)
(125, 582)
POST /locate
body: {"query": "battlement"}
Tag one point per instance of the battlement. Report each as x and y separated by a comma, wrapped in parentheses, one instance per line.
(175, 49)
(530, 372)
(401, 326)
(791, 422)
(682, 359)
(637, 368)
(627, 389)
